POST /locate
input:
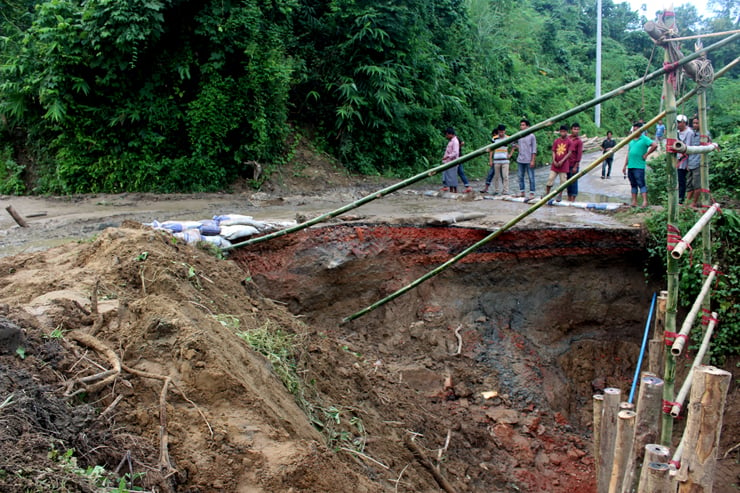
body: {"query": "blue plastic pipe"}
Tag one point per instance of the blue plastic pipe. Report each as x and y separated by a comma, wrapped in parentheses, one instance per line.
(642, 349)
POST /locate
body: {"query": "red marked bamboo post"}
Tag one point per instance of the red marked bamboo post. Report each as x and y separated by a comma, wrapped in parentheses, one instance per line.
(698, 227)
(608, 438)
(647, 427)
(656, 346)
(622, 449)
(659, 479)
(598, 400)
(698, 360)
(654, 454)
(703, 426)
(669, 371)
(688, 322)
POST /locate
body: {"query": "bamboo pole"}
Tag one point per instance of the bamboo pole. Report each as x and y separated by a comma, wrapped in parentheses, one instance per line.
(706, 233)
(659, 479)
(608, 438)
(598, 400)
(682, 148)
(698, 360)
(544, 200)
(622, 449)
(675, 462)
(647, 426)
(654, 453)
(703, 426)
(669, 373)
(685, 242)
(484, 150)
(688, 322)
(656, 346)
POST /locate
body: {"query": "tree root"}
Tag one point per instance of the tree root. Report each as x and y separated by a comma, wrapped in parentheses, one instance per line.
(421, 457)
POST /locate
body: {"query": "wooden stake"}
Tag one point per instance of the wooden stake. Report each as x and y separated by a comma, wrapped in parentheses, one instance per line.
(676, 409)
(647, 426)
(17, 217)
(703, 426)
(659, 479)
(656, 345)
(622, 449)
(608, 438)
(598, 413)
(654, 453)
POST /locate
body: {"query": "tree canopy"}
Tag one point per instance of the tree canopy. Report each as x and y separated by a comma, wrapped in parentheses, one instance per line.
(183, 95)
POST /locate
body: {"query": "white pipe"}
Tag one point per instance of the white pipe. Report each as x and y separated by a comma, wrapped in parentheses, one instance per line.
(684, 242)
(675, 462)
(680, 341)
(686, 387)
(682, 148)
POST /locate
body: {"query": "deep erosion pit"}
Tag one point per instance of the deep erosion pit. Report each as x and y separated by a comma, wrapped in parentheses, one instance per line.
(551, 314)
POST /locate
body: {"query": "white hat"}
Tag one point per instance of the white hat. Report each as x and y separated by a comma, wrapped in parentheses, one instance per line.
(682, 118)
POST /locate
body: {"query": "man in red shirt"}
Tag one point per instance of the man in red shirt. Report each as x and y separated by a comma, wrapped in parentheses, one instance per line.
(562, 149)
(575, 159)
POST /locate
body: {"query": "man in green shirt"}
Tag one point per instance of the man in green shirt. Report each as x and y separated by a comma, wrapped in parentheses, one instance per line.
(640, 148)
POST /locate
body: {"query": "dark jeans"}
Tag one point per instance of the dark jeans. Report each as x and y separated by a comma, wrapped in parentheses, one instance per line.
(606, 167)
(573, 187)
(681, 173)
(637, 180)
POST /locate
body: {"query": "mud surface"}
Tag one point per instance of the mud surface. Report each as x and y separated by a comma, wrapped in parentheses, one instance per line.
(123, 345)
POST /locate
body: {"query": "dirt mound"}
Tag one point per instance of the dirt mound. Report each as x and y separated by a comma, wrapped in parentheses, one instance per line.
(131, 359)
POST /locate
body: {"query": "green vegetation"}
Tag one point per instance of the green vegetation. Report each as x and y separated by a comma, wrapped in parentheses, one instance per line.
(179, 95)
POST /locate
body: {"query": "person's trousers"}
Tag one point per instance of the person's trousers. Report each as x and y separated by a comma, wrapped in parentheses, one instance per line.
(681, 174)
(606, 167)
(491, 173)
(461, 174)
(523, 168)
(502, 172)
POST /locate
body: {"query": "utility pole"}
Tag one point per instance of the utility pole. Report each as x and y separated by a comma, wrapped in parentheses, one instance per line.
(597, 111)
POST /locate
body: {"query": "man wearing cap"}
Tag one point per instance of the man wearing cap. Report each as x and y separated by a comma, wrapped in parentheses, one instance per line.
(452, 152)
(684, 134)
(639, 149)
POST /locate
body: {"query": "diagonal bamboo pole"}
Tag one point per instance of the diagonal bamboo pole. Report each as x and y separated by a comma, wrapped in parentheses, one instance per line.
(685, 242)
(539, 204)
(688, 322)
(485, 149)
(686, 387)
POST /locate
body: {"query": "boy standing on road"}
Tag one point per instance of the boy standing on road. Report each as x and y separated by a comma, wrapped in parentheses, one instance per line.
(525, 161)
(660, 134)
(498, 160)
(634, 164)
(562, 148)
(606, 166)
(575, 159)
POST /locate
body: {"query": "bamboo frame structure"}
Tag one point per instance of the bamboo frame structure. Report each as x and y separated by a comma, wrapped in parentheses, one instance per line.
(685, 241)
(484, 150)
(698, 359)
(647, 426)
(688, 322)
(608, 438)
(654, 453)
(703, 426)
(622, 449)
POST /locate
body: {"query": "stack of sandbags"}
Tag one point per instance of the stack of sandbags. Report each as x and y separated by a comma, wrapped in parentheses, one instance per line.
(222, 230)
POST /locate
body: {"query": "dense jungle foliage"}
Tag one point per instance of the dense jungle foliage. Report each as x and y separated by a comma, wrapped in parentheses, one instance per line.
(184, 95)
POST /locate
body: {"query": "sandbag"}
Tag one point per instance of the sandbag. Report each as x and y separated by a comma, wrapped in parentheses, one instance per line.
(218, 241)
(190, 236)
(209, 227)
(236, 231)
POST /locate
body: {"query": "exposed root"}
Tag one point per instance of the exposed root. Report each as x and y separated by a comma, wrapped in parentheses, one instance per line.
(459, 339)
(107, 376)
(421, 457)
